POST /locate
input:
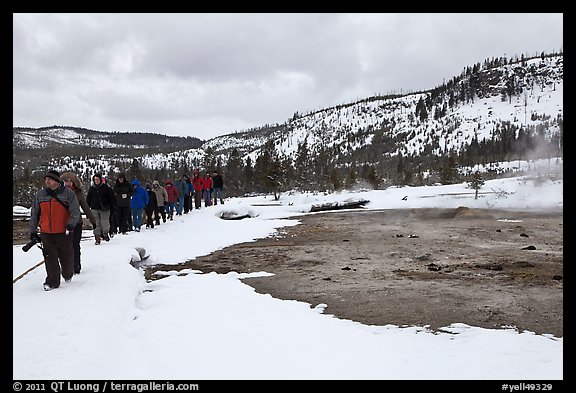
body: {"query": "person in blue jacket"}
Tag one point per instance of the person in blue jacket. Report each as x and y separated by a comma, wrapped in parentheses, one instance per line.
(137, 203)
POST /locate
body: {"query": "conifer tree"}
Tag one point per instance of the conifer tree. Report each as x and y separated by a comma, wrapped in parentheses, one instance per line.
(335, 179)
(248, 183)
(135, 172)
(476, 182)
(301, 165)
(233, 174)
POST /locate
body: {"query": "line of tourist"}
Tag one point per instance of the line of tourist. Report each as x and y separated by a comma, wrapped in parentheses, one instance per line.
(56, 221)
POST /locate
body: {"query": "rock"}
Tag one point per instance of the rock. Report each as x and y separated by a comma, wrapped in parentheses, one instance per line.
(233, 216)
(338, 205)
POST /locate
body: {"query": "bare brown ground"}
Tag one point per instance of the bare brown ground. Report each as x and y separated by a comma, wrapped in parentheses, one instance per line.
(412, 267)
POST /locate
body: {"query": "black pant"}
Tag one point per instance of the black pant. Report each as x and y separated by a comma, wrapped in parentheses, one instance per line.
(150, 217)
(76, 236)
(58, 257)
(187, 204)
(197, 199)
(161, 211)
(123, 218)
(113, 221)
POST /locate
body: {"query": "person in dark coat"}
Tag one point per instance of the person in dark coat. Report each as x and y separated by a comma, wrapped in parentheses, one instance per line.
(183, 192)
(123, 192)
(151, 207)
(101, 200)
(72, 181)
(112, 219)
(217, 186)
(188, 194)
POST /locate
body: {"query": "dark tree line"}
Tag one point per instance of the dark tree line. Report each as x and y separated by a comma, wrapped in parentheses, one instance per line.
(376, 165)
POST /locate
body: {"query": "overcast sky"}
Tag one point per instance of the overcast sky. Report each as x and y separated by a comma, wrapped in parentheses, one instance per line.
(205, 75)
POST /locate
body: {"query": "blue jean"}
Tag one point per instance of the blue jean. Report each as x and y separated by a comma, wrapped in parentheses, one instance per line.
(180, 205)
(170, 208)
(206, 197)
(217, 194)
(137, 217)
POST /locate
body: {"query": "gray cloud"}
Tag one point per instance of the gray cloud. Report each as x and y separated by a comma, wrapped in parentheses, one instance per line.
(208, 74)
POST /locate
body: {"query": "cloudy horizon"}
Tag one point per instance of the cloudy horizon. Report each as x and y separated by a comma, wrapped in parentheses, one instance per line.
(205, 75)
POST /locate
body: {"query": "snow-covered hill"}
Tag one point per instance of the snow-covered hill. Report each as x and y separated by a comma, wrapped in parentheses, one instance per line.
(51, 136)
(536, 101)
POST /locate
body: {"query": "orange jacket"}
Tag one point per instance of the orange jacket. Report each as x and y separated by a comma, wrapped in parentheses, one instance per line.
(50, 215)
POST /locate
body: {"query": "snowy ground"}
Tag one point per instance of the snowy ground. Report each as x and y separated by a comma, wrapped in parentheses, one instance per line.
(109, 323)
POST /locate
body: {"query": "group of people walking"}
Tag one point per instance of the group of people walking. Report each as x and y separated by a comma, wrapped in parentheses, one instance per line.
(56, 221)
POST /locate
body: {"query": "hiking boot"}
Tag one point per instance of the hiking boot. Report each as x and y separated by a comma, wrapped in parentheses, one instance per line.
(48, 287)
(68, 279)
(106, 237)
(97, 237)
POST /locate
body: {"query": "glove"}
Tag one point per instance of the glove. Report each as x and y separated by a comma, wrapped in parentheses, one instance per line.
(69, 228)
(35, 237)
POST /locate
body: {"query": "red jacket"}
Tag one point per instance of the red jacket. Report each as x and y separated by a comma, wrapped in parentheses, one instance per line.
(198, 183)
(172, 192)
(207, 183)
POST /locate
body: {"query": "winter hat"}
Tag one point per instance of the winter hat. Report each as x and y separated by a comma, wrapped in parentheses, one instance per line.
(53, 175)
(148, 186)
(71, 176)
(155, 183)
(97, 175)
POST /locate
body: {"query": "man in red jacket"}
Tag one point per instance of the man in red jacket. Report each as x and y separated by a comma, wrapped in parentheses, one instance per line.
(55, 212)
(207, 189)
(172, 198)
(198, 184)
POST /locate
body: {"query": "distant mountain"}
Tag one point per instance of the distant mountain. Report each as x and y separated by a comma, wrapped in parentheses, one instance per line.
(62, 137)
(35, 149)
(500, 110)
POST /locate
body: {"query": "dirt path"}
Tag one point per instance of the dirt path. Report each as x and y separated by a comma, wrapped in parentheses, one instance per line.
(433, 267)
